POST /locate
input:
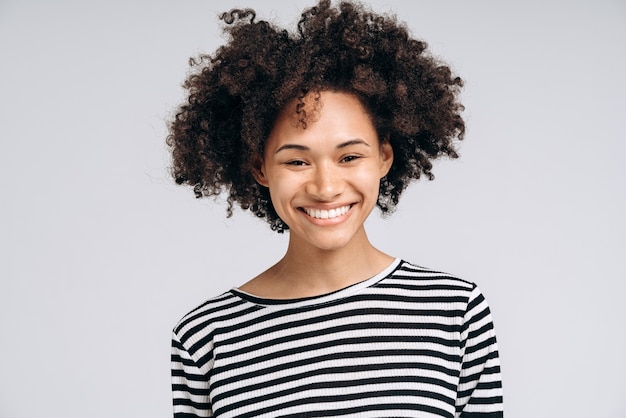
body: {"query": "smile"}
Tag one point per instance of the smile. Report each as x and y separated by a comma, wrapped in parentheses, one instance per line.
(326, 214)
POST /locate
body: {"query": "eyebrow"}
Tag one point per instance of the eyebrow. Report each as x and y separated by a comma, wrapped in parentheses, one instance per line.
(356, 141)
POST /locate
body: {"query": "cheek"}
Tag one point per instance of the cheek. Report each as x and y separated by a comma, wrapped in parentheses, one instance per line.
(367, 179)
(282, 189)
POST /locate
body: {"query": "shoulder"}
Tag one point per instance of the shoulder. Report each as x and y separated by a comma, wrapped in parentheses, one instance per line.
(411, 275)
(205, 318)
(434, 286)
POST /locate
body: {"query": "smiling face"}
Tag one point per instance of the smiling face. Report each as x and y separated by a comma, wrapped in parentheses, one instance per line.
(324, 180)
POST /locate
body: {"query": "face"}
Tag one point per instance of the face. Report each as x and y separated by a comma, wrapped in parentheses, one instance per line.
(324, 180)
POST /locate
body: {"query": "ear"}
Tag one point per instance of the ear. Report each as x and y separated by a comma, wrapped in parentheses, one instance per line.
(259, 174)
(386, 157)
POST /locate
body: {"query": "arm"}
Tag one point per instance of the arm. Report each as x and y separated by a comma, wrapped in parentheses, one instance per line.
(190, 387)
(479, 394)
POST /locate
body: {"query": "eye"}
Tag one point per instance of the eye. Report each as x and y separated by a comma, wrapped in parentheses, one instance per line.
(297, 163)
(349, 158)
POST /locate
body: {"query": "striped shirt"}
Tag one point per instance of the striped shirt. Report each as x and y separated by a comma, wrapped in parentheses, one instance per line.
(408, 342)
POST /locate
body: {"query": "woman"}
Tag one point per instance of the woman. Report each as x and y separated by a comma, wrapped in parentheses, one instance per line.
(310, 131)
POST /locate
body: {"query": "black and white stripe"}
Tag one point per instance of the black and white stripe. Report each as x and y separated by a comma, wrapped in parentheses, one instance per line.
(409, 342)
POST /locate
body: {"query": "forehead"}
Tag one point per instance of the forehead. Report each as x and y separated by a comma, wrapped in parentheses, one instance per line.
(326, 113)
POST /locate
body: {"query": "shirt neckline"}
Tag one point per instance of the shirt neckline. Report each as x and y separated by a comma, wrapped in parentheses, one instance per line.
(319, 299)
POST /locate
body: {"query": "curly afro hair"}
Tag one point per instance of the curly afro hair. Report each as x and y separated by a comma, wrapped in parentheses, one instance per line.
(236, 94)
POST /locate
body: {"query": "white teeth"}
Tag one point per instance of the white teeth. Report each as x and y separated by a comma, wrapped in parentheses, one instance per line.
(326, 214)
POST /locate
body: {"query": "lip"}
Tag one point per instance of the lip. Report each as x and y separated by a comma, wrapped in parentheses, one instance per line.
(327, 215)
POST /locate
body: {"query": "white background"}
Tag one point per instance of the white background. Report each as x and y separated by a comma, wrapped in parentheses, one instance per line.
(101, 254)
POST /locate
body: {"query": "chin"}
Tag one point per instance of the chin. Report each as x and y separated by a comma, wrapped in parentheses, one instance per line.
(329, 241)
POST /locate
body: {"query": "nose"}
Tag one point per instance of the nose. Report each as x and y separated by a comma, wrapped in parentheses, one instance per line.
(325, 183)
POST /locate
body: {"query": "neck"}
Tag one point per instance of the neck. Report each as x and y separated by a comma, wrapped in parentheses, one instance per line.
(307, 271)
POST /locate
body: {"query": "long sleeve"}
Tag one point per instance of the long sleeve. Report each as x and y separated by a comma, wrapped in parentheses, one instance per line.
(479, 394)
(407, 342)
(190, 387)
